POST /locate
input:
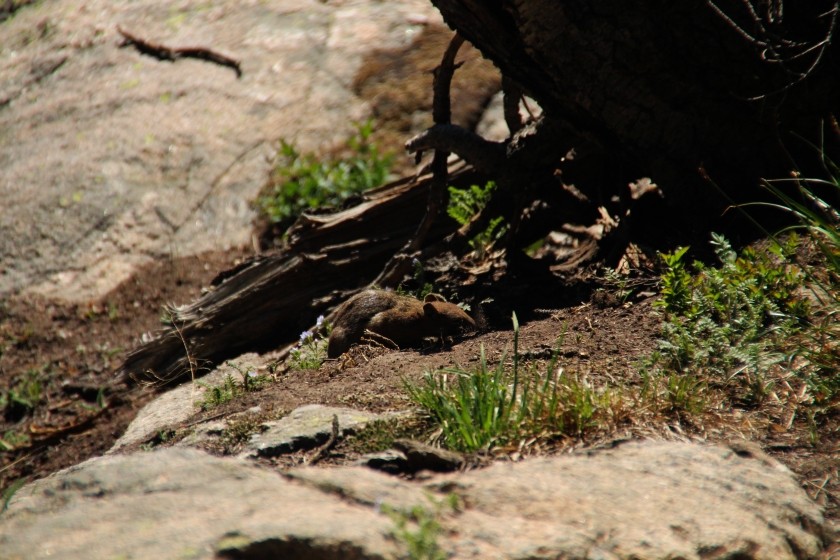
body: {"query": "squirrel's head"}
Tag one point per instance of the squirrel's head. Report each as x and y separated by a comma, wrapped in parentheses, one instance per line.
(447, 317)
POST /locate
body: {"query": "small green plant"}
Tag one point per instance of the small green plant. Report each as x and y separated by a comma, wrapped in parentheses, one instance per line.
(421, 288)
(670, 391)
(162, 437)
(9, 492)
(617, 283)
(231, 388)
(167, 315)
(220, 394)
(311, 350)
(418, 529)
(495, 406)
(12, 440)
(23, 396)
(676, 282)
(113, 311)
(726, 323)
(300, 182)
(464, 204)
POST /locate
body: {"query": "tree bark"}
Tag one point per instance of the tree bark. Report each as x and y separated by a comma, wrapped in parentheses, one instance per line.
(689, 93)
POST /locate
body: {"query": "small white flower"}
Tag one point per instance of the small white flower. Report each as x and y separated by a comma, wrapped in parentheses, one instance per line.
(319, 321)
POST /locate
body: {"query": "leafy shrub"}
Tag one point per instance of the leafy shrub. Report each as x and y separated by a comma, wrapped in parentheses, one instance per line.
(729, 322)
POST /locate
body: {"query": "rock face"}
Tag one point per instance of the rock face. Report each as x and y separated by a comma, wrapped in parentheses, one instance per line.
(111, 158)
(185, 504)
(694, 502)
(177, 405)
(306, 427)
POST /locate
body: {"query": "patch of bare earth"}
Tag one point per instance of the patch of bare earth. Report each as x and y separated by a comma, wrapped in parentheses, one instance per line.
(71, 352)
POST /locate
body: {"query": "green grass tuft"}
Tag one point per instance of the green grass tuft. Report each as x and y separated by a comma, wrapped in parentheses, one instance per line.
(493, 406)
(230, 388)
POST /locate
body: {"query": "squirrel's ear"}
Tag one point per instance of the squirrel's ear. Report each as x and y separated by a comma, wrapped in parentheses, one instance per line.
(433, 297)
(430, 309)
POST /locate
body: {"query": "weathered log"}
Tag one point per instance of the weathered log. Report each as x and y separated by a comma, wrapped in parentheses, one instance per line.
(270, 300)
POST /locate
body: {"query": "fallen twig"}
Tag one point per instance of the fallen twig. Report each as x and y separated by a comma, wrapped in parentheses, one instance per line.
(47, 436)
(324, 449)
(441, 111)
(162, 52)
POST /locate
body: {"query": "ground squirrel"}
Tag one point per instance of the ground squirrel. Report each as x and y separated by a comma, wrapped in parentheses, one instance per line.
(404, 320)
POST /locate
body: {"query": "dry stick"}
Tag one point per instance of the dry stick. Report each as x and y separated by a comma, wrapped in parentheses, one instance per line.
(61, 433)
(324, 449)
(510, 103)
(162, 52)
(400, 264)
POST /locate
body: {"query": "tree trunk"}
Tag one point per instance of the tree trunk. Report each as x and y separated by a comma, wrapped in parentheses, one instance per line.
(689, 93)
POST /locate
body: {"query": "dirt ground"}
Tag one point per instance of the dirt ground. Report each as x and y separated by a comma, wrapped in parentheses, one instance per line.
(73, 351)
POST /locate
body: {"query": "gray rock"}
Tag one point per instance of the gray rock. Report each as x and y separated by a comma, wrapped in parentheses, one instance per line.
(179, 404)
(182, 503)
(646, 500)
(390, 461)
(112, 159)
(306, 427)
(202, 433)
(420, 456)
(642, 500)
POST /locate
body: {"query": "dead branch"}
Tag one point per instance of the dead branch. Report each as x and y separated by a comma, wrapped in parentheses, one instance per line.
(773, 49)
(171, 54)
(325, 449)
(442, 113)
(510, 102)
(484, 155)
